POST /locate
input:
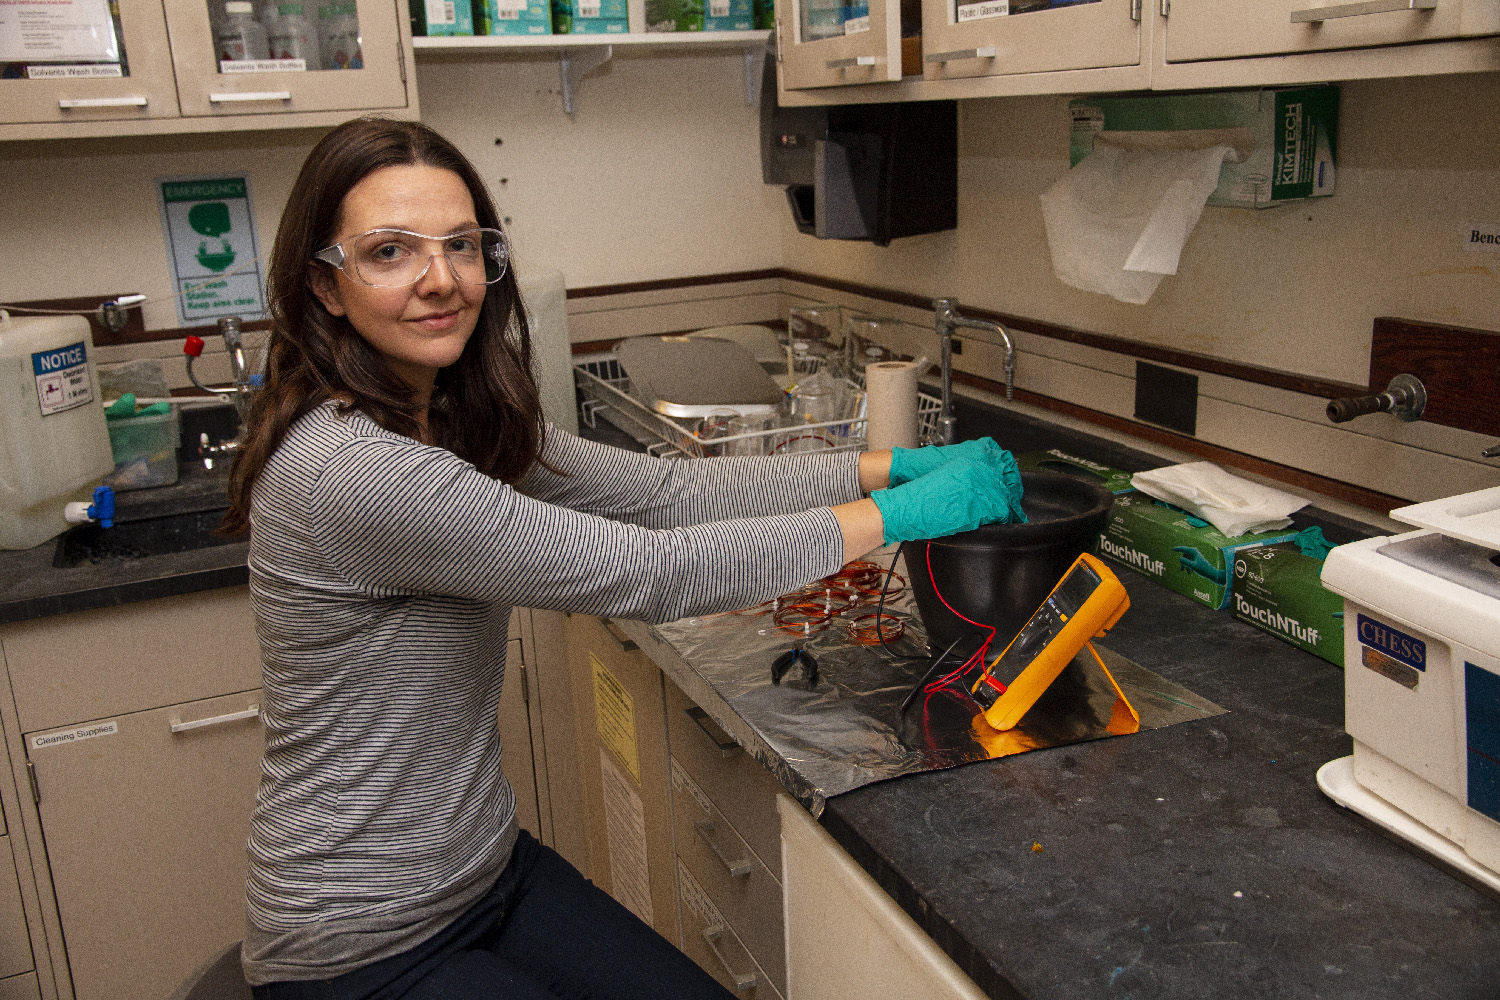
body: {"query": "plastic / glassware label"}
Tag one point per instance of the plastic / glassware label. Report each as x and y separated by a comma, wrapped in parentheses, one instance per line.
(980, 11)
(62, 378)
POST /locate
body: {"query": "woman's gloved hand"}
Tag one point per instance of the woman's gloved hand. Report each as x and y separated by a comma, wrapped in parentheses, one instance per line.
(914, 463)
(958, 496)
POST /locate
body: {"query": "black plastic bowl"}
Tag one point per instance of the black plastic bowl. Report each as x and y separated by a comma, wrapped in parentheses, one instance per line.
(1000, 574)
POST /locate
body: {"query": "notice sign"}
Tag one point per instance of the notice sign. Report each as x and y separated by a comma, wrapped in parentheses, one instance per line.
(62, 378)
(57, 31)
(211, 238)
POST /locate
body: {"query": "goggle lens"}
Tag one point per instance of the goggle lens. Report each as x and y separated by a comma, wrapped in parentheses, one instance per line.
(389, 258)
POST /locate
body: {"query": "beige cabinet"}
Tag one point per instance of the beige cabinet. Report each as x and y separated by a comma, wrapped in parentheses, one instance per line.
(992, 38)
(15, 938)
(819, 43)
(163, 72)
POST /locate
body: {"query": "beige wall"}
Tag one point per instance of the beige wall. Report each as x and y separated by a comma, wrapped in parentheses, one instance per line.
(656, 176)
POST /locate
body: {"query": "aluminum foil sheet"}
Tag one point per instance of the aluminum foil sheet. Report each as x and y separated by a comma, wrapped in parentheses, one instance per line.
(846, 730)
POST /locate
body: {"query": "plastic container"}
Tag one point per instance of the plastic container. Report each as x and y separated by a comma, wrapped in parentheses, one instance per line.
(239, 35)
(293, 35)
(145, 450)
(338, 36)
(1000, 574)
(53, 442)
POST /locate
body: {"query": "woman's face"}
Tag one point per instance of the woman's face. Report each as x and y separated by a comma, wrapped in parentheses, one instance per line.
(422, 327)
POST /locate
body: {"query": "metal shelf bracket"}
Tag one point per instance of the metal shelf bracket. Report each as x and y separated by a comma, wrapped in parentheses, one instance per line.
(576, 63)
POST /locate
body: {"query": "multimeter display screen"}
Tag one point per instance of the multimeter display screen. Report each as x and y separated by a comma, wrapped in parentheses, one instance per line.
(1074, 591)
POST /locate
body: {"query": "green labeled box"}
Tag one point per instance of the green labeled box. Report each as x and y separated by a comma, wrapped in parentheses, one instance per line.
(1178, 550)
(437, 18)
(1285, 139)
(675, 15)
(728, 15)
(512, 17)
(1278, 588)
(1056, 460)
(590, 17)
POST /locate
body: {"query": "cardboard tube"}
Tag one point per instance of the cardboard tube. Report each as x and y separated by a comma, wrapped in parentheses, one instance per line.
(892, 405)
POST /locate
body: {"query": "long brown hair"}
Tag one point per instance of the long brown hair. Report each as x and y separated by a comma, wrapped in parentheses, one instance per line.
(485, 407)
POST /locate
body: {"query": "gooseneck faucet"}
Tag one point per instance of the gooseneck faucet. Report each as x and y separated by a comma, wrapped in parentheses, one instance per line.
(245, 382)
(947, 319)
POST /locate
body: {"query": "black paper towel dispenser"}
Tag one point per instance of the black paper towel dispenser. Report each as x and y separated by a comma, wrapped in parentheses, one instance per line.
(874, 172)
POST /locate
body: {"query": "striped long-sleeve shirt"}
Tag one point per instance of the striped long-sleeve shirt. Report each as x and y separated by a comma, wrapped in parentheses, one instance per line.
(382, 574)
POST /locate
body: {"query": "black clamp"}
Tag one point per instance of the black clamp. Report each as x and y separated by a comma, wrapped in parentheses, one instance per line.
(786, 661)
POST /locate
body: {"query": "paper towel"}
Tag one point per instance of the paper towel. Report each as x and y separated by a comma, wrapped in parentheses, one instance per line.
(891, 402)
(1118, 220)
(1233, 505)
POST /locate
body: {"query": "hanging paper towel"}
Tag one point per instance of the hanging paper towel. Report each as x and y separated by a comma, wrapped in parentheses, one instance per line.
(1118, 220)
(891, 403)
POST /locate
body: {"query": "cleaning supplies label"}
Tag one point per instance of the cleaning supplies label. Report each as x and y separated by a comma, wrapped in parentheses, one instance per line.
(62, 378)
(1392, 641)
(77, 734)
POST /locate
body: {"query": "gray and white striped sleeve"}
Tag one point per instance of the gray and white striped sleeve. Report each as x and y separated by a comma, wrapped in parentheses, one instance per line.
(397, 518)
(672, 492)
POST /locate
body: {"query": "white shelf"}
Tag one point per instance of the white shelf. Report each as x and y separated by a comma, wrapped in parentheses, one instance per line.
(677, 39)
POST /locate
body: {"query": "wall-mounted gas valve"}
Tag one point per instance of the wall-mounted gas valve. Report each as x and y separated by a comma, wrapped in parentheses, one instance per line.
(1405, 397)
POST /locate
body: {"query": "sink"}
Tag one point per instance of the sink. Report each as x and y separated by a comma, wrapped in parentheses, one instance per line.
(90, 544)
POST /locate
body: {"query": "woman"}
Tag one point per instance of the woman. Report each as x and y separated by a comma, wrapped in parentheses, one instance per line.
(404, 493)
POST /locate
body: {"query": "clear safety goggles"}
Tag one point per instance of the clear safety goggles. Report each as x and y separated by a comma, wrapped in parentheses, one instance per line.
(395, 258)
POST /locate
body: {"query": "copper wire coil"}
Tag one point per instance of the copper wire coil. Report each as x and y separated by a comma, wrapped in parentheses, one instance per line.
(881, 625)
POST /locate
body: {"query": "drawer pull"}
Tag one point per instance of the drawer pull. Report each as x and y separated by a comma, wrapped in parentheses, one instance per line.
(705, 828)
(853, 61)
(1312, 15)
(101, 102)
(988, 52)
(627, 644)
(251, 95)
(742, 980)
(178, 726)
(722, 741)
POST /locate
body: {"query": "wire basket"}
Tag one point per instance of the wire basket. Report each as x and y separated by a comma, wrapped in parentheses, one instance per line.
(604, 389)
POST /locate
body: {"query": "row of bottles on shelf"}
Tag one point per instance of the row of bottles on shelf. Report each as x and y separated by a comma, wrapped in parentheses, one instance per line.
(584, 17)
(294, 35)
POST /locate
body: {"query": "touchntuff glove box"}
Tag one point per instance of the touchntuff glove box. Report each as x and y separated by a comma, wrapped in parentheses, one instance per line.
(1277, 588)
(1117, 481)
(1285, 140)
(1175, 548)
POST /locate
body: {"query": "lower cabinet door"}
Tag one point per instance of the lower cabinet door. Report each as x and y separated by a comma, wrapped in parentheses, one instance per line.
(709, 940)
(20, 988)
(145, 818)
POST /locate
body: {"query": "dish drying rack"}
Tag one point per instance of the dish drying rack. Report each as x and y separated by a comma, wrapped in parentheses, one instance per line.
(604, 388)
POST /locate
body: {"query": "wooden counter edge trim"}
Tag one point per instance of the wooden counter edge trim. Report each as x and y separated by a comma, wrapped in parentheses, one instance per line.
(1335, 488)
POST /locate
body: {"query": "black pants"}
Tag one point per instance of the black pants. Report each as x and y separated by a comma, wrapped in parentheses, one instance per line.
(544, 932)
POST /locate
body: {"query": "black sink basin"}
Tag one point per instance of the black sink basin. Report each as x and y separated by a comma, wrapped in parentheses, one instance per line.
(155, 536)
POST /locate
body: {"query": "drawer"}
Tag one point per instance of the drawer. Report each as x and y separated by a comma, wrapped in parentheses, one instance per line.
(713, 944)
(744, 791)
(740, 888)
(20, 988)
(15, 940)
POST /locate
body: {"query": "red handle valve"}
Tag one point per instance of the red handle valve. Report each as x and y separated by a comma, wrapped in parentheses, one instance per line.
(193, 346)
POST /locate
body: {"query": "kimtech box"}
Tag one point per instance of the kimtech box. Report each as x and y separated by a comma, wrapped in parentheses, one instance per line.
(512, 17)
(1178, 550)
(590, 17)
(436, 18)
(1278, 588)
(728, 15)
(1056, 460)
(1287, 138)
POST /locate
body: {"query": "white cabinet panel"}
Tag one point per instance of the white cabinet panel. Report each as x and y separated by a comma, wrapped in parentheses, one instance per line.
(1091, 35)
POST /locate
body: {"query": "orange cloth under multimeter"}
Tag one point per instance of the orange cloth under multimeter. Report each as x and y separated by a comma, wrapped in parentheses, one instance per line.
(1084, 605)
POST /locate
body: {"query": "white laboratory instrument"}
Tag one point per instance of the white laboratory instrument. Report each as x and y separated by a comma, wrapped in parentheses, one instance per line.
(1422, 681)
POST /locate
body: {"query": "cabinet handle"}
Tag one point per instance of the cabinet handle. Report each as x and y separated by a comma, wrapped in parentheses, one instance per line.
(178, 726)
(727, 747)
(627, 644)
(251, 95)
(854, 61)
(101, 102)
(737, 869)
(742, 980)
(988, 52)
(1315, 14)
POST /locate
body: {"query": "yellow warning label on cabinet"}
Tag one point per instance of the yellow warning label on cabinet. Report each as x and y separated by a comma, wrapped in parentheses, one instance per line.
(614, 717)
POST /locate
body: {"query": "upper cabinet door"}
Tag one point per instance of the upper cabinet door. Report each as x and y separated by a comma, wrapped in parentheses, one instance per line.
(85, 61)
(963, 38)
(1230, 29)
(310, 56)
(835, 43)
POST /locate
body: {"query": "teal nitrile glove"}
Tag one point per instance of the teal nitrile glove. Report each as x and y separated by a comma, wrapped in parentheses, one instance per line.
(1192, 561)
(914, 463)
(959, 496)
(1312, 543)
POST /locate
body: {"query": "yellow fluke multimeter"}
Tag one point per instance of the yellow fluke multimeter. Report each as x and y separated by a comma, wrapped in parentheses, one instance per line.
(1084, 605)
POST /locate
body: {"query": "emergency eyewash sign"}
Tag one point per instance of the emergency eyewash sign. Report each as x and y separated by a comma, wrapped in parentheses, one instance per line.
(215, 254)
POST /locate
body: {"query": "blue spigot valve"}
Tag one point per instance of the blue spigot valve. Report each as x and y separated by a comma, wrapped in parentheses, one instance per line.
(101, 510)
